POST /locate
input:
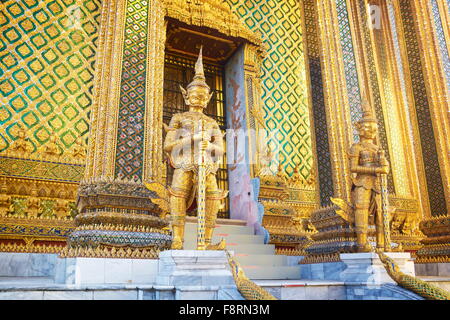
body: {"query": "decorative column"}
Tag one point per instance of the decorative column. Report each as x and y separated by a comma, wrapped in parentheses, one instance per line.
(427, 42)
(437, 89)
(337, 98)
(317, 102)
(116, 217)
(390, 99)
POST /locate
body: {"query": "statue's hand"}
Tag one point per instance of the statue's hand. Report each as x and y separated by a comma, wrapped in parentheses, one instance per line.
(204, 145)
(382, 158)
(384, 169)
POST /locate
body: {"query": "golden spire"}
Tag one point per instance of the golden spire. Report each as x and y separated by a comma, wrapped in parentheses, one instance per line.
(199, 78)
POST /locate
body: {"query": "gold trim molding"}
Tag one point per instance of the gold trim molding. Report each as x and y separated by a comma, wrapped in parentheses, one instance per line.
(214, 14)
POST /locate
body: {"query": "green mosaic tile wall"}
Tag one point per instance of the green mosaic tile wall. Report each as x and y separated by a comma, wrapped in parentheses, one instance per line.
(285, 101)
(47, 53)
(130, 132)
(318, 101)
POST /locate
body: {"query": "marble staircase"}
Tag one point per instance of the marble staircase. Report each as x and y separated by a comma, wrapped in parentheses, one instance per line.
(256, 258)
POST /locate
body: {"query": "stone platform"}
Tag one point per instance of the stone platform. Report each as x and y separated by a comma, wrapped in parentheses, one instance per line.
(194, 273)
(357, 268)
(368, 268)
(205, 275)
(177, 275)
(77, 270)
(257, 259)
(333, 290)
(85, 271)
(44, 289)
(433, 269)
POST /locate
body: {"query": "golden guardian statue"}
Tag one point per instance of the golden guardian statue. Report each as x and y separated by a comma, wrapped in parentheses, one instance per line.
(194, 146)
(369, 167)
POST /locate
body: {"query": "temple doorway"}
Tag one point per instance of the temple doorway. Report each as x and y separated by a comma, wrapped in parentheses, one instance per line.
(182, 46)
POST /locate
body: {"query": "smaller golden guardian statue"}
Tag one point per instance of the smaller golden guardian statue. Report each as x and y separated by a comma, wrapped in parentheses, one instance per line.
(369, 167)
(194, 145)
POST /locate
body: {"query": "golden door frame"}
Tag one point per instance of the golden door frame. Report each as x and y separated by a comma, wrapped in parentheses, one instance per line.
(208, 14)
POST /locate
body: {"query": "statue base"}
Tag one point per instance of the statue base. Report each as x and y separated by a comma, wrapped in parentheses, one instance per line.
(367, 267)
(433, 269)
(197, 275)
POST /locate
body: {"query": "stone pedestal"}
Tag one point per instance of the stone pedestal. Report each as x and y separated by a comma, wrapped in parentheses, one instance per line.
(367, 267)
(197, 275)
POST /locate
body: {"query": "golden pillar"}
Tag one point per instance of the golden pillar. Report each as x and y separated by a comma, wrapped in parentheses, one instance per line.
(365, 59)
(116, 216)
(340, 132)
(384, 74)
(430, 74)
(437, 89)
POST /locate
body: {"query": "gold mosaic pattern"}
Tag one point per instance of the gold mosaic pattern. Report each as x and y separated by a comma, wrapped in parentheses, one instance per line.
(435, 186)
(46, 170)
(284, 96)
(378, 107)
(47, 52)
(392, 116)
(318, 103)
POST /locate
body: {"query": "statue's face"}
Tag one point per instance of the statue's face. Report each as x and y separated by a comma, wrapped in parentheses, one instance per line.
(198, 97)
(368, 130)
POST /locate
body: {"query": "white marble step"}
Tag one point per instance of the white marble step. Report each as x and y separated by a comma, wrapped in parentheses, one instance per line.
(229, 238)
(256, 272)
(261, 259)
(241, 248)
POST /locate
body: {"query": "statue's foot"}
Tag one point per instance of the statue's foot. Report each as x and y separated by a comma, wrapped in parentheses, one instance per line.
(177, 245)
(364, 248)
(219, 246)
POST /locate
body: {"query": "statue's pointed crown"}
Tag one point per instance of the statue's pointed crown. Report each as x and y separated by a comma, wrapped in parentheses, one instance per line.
(199, 78)
(367, 111)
